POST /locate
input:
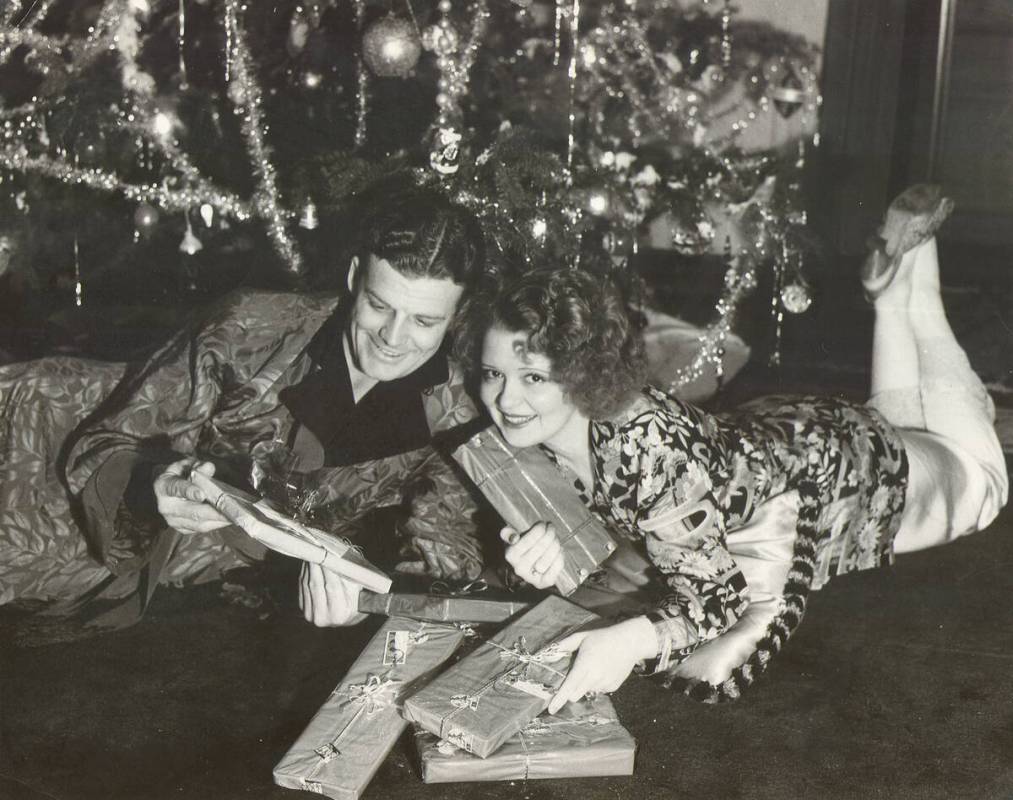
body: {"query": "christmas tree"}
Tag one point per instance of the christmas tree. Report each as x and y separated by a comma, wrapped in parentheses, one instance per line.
(156, 147)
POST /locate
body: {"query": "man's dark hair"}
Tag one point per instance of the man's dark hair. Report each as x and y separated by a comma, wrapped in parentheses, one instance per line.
(422, 234)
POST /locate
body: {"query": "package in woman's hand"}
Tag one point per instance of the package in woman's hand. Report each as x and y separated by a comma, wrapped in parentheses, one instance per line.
(525, 487)
(288, 537)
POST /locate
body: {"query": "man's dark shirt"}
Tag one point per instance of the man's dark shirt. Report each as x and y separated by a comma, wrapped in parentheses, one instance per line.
(389, 419)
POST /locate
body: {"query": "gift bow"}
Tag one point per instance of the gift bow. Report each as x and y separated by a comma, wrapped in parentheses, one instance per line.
(444, 589)
(374, 694)
(526, 658)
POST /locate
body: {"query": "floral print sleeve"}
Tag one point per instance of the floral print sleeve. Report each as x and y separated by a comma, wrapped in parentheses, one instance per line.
(656, 478)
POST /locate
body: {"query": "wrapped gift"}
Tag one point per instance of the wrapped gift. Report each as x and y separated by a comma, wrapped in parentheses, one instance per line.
(288, 537)
(525, 487)
(585, 739)
(470, 602)
(349, 737)
(490, 694)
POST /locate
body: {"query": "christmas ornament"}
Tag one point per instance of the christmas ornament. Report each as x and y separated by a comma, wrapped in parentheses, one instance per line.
(598, 202)
(789, 95)
(539, 227)
(190, 245)
(308, 219)
(693, 238)
(795, 298)
(446, 152)
(391, 47)
(311, 79)
(618, 242)
(454, 62)
(164, 125)
(207, 213)
(443, 40)
(145, 219)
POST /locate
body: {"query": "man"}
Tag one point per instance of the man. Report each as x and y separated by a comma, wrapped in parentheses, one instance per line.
(355, 395)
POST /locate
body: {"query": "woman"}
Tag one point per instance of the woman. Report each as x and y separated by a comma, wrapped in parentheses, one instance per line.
(843, 486)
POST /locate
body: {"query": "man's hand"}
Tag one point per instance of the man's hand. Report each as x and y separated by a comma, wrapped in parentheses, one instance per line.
(536, 556)
(181, 503)
(327, 599)
(605, 658)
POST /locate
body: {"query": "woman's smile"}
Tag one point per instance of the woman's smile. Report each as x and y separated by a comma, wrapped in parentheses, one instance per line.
(516, 420)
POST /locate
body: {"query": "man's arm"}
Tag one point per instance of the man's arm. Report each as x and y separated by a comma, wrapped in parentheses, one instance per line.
(170, 407)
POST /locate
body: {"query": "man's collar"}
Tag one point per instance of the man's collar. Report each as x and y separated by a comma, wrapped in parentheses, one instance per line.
(327, 352)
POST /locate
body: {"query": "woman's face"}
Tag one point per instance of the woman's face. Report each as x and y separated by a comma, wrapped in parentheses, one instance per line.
(527, 406)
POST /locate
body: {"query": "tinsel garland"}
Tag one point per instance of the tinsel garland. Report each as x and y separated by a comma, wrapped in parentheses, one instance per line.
(244, 91)
(16, 159)
(13, 38)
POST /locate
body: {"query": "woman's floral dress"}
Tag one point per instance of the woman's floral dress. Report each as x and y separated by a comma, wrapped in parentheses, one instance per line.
(678, 479)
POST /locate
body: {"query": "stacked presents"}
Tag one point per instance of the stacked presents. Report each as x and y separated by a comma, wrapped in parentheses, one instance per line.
(481, 718)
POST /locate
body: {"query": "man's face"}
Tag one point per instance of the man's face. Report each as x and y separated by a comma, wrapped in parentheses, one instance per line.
(397, 322)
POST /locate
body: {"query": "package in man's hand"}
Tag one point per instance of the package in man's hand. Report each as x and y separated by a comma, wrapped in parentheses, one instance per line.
(288, 537)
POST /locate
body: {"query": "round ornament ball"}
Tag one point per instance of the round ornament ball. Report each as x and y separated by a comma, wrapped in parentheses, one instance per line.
(795, 298)
(391, 47)
(145, 218)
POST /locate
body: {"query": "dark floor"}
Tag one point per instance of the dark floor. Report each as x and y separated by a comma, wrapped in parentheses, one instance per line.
(897, 685)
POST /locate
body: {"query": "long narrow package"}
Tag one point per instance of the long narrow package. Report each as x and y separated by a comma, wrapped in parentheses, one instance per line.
(585, 739)
(493, 692)
(474, 602)
(525, 487)
(288, 537)
(352, 733)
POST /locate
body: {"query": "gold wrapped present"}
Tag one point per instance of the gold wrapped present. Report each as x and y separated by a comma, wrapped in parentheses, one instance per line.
(525, 487)
(490, 694)
(350, 736)
(585, 739)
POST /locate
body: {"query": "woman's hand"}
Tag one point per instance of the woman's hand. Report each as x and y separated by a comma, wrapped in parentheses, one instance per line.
(605, 658)
(327, 599)
(182, 503)
(536, 556)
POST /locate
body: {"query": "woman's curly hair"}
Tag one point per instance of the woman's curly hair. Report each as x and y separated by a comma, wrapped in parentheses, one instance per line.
(584, 323)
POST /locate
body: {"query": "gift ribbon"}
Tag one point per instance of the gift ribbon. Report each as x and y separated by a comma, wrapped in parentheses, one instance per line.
(526, 658)
(376, 693)
(521, 655)
(536, 728)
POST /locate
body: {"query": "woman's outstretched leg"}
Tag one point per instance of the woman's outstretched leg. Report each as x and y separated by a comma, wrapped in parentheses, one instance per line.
(957, 480)
(895, 375)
